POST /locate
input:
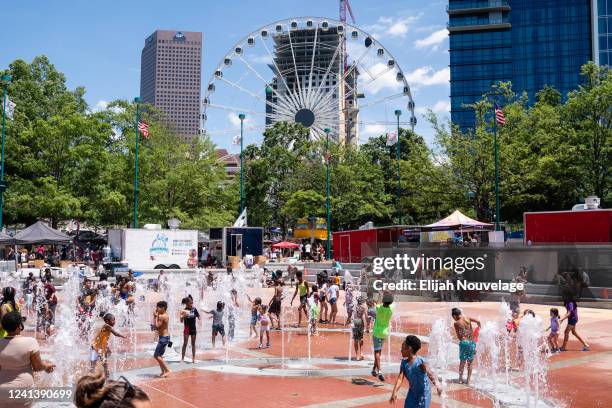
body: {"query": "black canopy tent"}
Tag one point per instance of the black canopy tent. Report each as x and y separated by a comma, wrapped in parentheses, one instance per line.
(41, 233)
(6, 239)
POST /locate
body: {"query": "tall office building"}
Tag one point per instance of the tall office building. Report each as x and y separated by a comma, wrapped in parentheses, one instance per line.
(531, 43)
(170, 74)
(602, 31)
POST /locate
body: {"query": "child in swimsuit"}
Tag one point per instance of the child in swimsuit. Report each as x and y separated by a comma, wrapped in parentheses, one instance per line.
(100, 349)
(264, 326)
(371, 315)
(553, 337)
(255, 308)
(467, 345)
(314, 305)
(348, 303)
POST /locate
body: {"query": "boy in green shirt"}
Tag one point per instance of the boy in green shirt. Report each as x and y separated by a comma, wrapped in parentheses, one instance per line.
(381, 331)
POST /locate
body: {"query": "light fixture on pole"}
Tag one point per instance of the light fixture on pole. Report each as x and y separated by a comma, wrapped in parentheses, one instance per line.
(6, 80)
(241, 116)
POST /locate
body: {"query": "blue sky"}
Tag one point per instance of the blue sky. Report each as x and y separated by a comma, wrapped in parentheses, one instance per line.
(97, 44)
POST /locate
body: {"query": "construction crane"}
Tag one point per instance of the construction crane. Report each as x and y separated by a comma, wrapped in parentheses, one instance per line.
(344, 7)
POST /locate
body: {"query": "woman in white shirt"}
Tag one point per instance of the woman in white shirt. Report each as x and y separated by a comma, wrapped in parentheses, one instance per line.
(19, 358)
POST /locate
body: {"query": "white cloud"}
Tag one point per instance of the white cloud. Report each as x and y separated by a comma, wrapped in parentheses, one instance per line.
(385, 81)
(438, 107)
(433, 40)
(420, 77)
(235, 120)
(372, 130)
(100, 106)
(427, 76)
(390, 27)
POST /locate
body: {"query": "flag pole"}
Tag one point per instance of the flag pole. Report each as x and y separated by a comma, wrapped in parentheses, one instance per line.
(135, 216)
(327, 191)
(6, 80)
(496, 153)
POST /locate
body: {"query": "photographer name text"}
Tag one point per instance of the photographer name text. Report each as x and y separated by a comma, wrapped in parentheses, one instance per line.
(444, 285)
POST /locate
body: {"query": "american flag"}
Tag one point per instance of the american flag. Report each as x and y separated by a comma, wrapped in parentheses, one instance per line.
(144, 129)
(499, 115)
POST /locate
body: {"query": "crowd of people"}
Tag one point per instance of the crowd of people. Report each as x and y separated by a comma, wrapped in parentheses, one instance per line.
(53, 255)
(318, 305)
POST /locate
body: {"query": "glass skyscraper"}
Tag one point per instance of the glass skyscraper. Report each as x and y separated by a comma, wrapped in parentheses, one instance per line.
(602, 11)
(531, 43)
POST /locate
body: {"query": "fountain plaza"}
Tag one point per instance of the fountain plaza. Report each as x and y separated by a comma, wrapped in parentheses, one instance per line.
(301, 369)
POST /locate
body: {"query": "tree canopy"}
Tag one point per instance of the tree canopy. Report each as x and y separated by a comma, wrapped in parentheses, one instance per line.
(66, 161)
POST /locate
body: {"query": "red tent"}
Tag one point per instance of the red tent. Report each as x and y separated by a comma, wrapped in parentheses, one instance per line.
(285, 245)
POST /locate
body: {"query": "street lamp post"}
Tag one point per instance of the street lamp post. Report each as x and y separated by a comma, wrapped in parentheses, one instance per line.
(398, 113)
(135, 220)
(327, 193)
(495, 94)
(496, 153)
(6, 80)
(241, 116)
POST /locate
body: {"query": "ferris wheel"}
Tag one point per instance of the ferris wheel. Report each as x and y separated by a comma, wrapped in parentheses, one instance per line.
(332, 77)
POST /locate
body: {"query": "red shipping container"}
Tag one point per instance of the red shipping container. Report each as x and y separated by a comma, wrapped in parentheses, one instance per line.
(582, 226)
(352, 246)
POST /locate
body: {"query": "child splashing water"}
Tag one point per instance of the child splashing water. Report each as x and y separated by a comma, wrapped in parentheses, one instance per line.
(416, 371)
(255, 307)
(100, 349)
(467, 345)
(315, 309)
(217, 322)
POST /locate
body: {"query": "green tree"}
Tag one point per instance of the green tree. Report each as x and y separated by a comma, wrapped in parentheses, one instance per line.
(55, 151)
(589, 111)
(176, 179)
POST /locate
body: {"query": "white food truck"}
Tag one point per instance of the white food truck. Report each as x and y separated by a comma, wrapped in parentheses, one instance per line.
(154, 248)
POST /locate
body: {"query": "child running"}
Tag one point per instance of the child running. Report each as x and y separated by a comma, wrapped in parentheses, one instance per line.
(571, 315)
(467, 345)
(553, 337)
(161, 319)
(217, 323)
(358, 328)
(381, 331)
(264, 326)
(416, 371)
(100, 349)
(188, 317)
(255, 306)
